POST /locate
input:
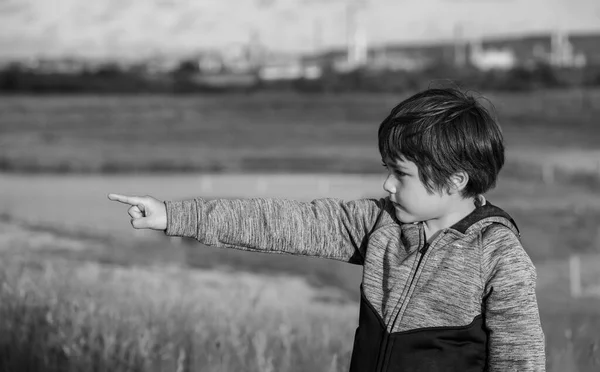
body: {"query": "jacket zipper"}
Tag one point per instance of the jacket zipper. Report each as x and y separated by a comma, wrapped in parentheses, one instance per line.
(382, 358)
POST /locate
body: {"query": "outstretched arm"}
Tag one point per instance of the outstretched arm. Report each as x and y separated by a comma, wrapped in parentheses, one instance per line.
(329, 228)
(516, 339)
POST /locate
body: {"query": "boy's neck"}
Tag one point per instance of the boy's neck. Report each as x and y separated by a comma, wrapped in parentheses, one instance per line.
(456, 211)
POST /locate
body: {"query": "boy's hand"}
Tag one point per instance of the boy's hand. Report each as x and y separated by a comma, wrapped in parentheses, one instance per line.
(146, 212)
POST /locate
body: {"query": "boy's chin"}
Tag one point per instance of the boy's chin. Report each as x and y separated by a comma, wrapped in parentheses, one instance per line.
(405, 217)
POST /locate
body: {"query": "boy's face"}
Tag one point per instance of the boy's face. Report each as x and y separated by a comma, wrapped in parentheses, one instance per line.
(412, 201)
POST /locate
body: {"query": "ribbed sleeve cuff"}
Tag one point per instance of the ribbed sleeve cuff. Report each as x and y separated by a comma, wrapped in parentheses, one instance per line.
(182, 218)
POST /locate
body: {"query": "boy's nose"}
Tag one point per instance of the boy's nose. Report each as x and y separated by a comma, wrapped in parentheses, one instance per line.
(389, 186)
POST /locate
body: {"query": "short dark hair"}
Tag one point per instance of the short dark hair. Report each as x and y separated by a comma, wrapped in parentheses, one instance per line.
(444, 131)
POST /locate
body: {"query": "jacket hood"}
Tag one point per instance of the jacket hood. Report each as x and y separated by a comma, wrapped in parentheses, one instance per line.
(485, 214)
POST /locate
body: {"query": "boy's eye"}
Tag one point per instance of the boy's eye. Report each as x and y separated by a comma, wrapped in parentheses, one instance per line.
(398, 173)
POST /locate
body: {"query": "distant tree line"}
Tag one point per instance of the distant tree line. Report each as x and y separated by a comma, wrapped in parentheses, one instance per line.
(111, 79)
(106, 79)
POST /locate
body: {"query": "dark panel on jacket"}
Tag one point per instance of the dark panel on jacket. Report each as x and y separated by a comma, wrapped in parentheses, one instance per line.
(447, 349)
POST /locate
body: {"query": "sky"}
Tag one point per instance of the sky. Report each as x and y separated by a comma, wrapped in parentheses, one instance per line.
(129, 28)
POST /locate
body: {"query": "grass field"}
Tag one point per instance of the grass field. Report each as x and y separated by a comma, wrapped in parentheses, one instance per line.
(80, 291)
(265, 132)
(63, 315)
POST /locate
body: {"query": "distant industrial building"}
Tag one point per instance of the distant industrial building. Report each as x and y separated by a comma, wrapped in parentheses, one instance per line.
(558, 49)
(247, 63)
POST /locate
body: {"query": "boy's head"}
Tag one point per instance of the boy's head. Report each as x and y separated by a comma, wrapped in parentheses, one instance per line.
(449, 138)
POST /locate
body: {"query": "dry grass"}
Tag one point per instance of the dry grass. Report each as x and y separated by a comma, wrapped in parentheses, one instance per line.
(62, 315)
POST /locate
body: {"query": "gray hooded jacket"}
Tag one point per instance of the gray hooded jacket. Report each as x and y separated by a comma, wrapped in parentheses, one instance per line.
(463, 302)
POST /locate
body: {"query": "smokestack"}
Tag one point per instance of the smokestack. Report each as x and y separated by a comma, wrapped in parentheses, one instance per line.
(357, 47)
(317, 35)
(460, 53)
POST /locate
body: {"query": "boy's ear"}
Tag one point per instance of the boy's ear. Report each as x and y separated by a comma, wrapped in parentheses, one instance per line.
(458, 181)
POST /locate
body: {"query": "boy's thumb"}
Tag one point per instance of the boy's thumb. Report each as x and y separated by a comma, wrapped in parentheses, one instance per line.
(139, 223)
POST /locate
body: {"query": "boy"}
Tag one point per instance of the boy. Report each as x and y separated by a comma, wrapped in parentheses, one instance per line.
(447, 285)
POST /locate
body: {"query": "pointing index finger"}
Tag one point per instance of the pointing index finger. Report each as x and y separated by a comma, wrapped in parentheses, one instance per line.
(131, 200)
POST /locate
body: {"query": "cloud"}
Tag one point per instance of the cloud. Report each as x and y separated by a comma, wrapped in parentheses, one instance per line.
(111, 27)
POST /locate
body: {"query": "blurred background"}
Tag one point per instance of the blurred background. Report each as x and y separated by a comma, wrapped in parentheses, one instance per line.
(266, 98)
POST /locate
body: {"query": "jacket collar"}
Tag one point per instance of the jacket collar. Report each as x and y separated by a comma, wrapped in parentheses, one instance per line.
(488, 212)
(413, 235)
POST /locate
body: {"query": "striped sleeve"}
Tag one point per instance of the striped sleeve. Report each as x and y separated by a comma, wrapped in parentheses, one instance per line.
(328, 228)
(516, 339)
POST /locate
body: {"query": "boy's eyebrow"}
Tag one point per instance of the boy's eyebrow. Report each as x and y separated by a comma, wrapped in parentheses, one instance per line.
(398, 166)
(395, 165)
